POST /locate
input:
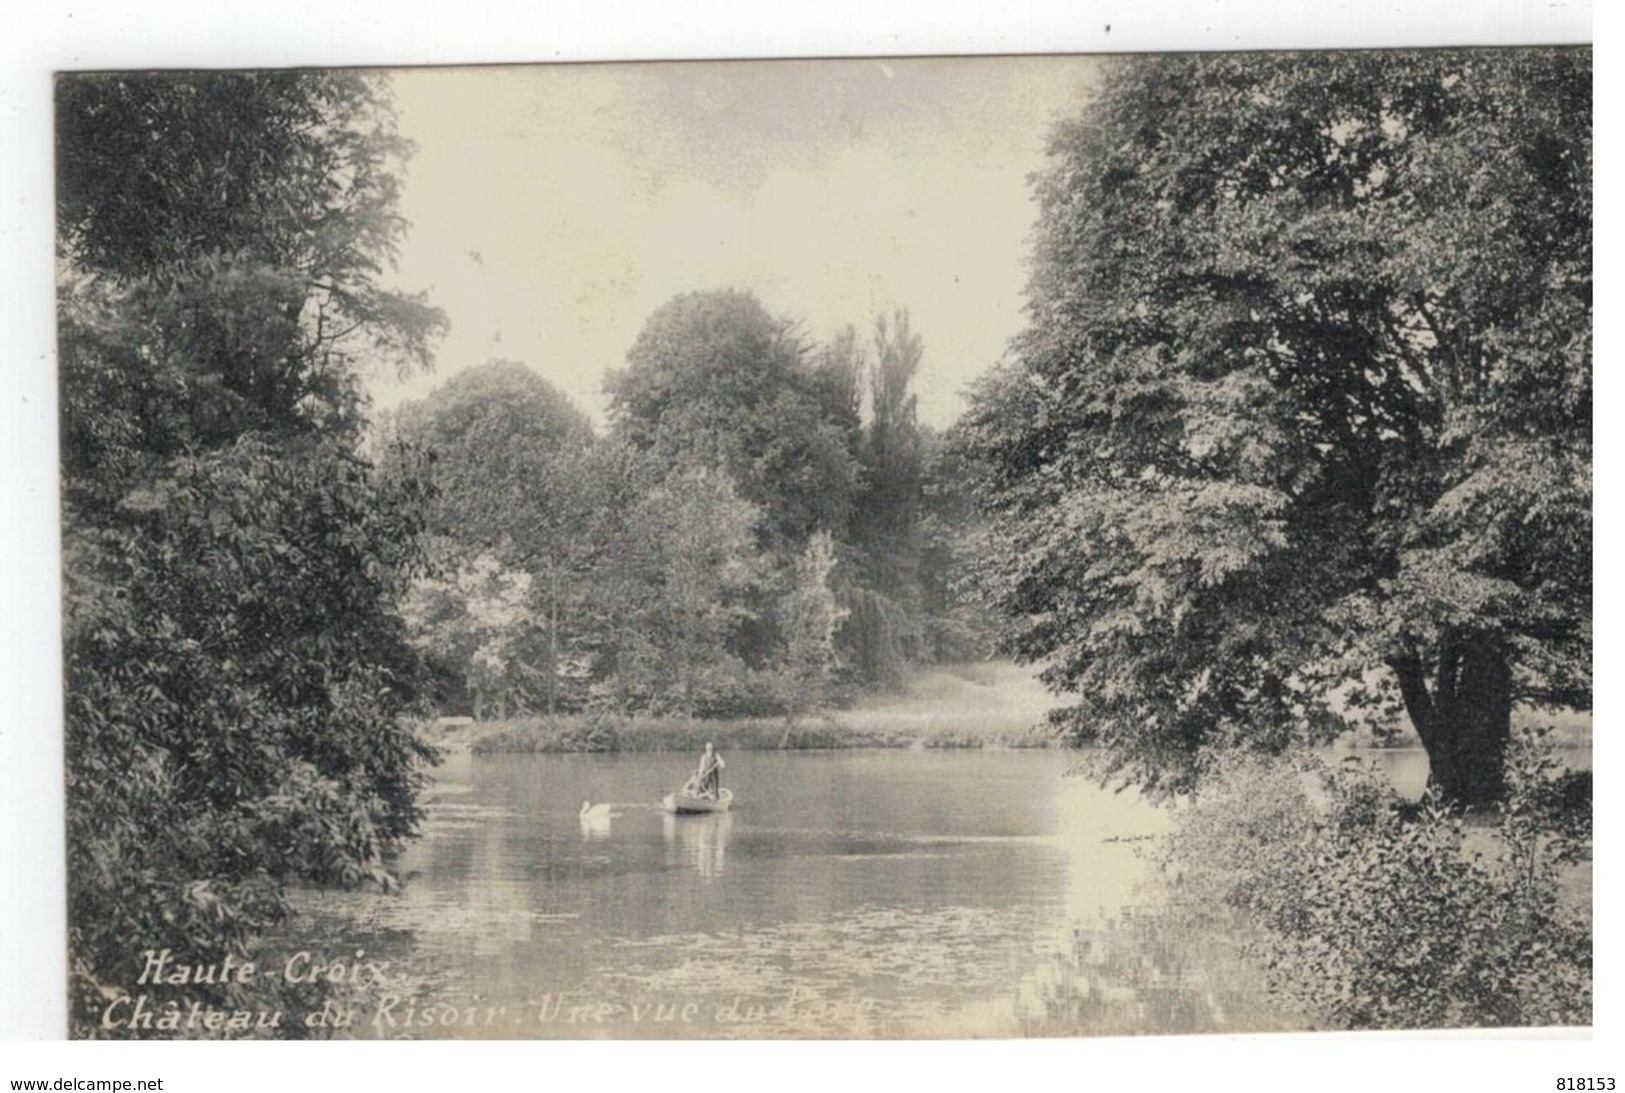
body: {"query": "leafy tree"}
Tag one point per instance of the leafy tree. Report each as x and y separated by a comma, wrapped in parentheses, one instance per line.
(501, 436)
(839, 371)
(617, 587)
(477, 616)
(887, 523)
(514, 476)
(953, 540)
(1306, 391)
(884, 628)
(714, 380)
(689, 545)
(220, 239)
(572, 561)
(236, 669)
(811, 618)
(824, 440)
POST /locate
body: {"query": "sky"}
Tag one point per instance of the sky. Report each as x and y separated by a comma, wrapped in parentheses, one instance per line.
(554, 208)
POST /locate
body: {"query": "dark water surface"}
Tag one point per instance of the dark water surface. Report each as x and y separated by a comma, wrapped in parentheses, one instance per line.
(853, 893)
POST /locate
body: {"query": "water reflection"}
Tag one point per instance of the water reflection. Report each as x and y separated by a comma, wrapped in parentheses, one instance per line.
(701, 840)
(868, 894)
(1113, 958)
(1155, 970)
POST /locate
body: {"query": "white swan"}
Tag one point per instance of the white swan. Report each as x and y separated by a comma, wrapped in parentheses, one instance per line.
(591, 811)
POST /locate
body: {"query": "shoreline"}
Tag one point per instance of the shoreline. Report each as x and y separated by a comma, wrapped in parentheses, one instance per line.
(982, 705)
(986, 704)
(585, 733)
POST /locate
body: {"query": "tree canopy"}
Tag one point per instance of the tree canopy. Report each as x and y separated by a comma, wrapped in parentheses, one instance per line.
(747, 539)
(221, 239)
(236, 666)
(823, 438)
(504, 441)
(713, 378)
(1302, 415)
(515, 486)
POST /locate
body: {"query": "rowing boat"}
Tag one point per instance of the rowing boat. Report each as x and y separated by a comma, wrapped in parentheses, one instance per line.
(683, 802)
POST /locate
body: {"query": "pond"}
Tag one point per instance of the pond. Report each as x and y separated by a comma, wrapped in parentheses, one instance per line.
(849, 893)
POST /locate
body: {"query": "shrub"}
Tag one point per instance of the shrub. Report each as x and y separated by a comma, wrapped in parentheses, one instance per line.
(1376, 912)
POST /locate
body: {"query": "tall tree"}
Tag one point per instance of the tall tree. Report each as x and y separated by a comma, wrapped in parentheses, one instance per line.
(811, 618)
(221, 238)
(476, 616)
(236, 668)
(889, 506)
(885, 627)
(953, 545)
(512, 467)
(689, 541)
(1306, 392)
(715, 380)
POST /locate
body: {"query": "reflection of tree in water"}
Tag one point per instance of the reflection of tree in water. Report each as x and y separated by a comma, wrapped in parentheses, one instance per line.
(701, 840)
(1173, 970)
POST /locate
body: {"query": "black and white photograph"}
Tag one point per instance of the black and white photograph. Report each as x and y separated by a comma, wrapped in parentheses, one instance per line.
(863, 548)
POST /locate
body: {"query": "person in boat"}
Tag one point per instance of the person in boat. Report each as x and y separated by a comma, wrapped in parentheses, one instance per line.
(708, 779)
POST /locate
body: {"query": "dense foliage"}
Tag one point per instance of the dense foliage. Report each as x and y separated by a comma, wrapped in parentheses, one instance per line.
(1301, 422)
(762, 529)
(517, 484)
(714, 379)
(1375, 912)
(236, 668)
(573, 571)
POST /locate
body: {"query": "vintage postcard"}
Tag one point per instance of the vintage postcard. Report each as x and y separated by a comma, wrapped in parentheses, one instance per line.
(910, 548)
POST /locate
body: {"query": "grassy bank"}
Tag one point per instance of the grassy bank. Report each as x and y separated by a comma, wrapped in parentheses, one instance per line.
(981, 705)
(993, 704)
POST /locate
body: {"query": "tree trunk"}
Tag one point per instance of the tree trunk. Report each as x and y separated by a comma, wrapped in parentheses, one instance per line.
(789, 715)
(685, 674)
(1464, 718)
(552, 641)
